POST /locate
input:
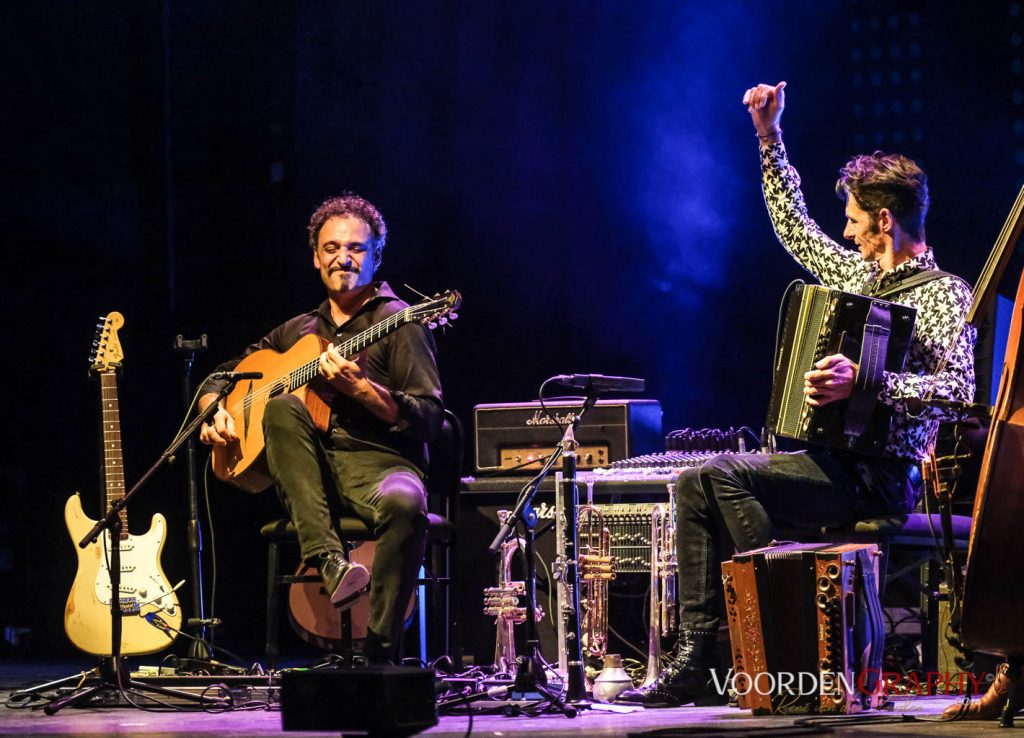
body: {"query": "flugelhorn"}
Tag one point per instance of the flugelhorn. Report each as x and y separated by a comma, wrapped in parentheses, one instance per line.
(663, 582)
(502, 603)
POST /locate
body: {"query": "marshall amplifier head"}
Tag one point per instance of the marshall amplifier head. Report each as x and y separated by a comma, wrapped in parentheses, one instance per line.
(519, 435)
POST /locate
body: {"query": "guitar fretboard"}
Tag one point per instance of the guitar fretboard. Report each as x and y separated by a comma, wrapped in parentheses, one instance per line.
(354, 345)
(113, 465)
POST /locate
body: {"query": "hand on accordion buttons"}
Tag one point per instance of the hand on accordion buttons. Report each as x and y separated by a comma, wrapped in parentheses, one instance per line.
(832, 379)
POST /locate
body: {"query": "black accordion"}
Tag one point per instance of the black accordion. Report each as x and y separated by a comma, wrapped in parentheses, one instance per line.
(806, 628)
(819, 322)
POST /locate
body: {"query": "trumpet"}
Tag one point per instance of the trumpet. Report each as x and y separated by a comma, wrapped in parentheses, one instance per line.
(663, 605)
(596, 570)
(502, 603)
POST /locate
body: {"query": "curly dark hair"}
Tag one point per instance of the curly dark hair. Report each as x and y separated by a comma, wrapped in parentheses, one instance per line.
(889, 181)
(349, 203)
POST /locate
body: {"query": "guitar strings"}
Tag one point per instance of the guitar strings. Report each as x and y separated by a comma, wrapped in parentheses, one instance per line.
(310, 369)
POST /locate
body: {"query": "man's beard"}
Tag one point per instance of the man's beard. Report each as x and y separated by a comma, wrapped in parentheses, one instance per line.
(349, 279)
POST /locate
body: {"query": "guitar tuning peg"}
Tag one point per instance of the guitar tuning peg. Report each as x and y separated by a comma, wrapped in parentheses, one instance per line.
(431, 325)
(453, 316)
(442, 321)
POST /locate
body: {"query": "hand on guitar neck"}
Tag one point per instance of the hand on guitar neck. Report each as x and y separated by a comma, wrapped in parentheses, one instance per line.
(349, 378)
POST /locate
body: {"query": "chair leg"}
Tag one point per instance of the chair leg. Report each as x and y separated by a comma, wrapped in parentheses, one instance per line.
(271, 648)
(437, 632)
(883, 563)
(440, 602)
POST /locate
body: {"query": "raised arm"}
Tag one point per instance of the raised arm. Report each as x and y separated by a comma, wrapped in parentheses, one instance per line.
(833, 265)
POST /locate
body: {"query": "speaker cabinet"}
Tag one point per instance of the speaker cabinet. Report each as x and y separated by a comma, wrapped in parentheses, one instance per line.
(379, 701)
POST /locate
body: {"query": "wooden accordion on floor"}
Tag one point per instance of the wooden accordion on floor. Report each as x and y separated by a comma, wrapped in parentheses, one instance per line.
(806, 628)
(819, 322)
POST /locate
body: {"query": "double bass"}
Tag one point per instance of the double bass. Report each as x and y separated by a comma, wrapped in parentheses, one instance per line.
(993, 596)
(993, 600)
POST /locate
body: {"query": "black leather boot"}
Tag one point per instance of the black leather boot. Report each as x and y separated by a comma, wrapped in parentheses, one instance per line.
(342, 578)
(686, 679)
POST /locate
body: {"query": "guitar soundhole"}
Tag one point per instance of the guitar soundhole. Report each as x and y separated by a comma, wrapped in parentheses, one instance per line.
(276, 389)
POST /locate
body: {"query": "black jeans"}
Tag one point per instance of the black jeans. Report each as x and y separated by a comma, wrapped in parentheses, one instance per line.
(735, 502)
(316, 482)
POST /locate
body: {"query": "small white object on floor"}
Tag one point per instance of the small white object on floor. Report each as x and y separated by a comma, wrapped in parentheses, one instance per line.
(622, 709)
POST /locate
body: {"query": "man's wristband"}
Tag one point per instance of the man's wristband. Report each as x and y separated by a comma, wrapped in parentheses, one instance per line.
(776, 134)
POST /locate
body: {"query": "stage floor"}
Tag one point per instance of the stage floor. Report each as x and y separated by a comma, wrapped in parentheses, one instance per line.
(907, 717)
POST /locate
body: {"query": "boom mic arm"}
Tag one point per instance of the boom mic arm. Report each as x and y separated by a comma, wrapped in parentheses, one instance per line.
(599, 383)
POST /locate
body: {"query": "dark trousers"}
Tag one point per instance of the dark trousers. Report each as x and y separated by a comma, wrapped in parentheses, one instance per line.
(384, 490)
(738, 502)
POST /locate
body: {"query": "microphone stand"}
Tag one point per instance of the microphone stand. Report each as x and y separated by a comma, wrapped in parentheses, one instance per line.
(530, 675)
(198, 649)
(111, 671)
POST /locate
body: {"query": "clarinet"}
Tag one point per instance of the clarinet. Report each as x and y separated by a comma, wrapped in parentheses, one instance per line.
(577, 686)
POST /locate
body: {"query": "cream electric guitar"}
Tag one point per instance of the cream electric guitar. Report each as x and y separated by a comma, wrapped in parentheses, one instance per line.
(145, 591)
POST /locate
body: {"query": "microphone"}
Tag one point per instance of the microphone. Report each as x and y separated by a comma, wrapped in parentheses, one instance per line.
(599, 383)
(977, 409)
(204, 622)
(236, 376)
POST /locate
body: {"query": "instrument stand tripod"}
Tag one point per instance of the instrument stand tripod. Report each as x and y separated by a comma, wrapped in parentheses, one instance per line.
(530, 675)
(110, 674)
(199, 654)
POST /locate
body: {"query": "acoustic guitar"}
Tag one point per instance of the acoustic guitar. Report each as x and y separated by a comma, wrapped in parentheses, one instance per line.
(145, 591)
(242, 463)
(317, 620)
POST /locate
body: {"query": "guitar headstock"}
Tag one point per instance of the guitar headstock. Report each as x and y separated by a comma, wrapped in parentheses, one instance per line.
(106, 353)
(437, 310)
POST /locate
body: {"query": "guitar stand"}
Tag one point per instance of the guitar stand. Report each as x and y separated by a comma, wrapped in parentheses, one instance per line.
(110, 676)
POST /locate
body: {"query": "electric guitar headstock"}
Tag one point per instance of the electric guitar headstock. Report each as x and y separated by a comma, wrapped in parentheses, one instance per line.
(436, 310)
(106, 355)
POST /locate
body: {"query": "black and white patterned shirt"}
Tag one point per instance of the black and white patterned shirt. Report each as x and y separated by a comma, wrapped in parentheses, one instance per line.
(942, 306)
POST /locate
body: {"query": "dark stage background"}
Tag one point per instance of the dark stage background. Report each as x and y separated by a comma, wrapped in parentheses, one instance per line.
(583, 172)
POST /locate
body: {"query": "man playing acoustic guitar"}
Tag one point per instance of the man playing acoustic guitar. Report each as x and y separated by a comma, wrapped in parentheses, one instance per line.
(383, 407)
